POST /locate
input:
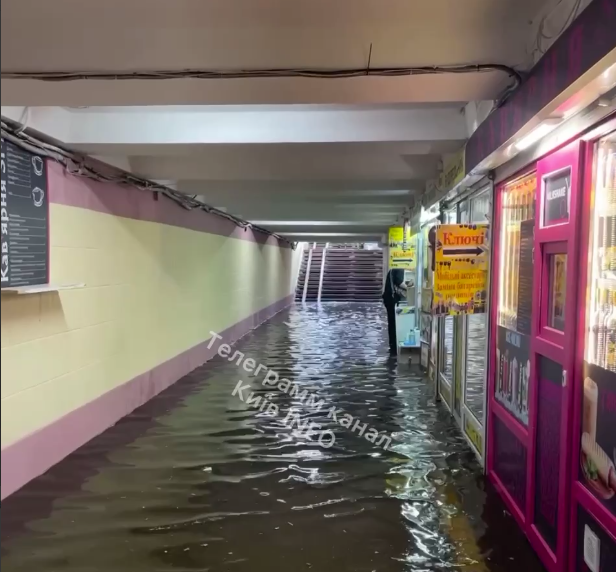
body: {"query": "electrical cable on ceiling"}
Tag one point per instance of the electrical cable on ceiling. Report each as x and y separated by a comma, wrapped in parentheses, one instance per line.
(77, 165)
(268, 73)
(264, 73)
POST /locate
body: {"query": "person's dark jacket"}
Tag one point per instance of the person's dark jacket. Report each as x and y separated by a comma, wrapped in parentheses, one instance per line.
(393, 281)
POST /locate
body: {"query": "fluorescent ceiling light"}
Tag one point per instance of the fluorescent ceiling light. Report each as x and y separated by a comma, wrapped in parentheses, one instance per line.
(609, 76)
(367, 222)
(536, 134)
(328, 233)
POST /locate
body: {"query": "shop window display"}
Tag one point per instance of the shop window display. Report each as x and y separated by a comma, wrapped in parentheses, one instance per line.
(515, 294)
(476, 330)
(598, 438)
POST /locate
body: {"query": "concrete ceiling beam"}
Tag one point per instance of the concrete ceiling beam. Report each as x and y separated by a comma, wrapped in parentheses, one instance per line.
(146, 131)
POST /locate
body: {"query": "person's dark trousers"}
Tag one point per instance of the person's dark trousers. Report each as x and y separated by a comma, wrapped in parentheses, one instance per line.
(391, 328)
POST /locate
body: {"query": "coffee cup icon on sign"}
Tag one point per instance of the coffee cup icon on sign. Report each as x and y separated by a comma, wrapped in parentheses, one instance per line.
(37, 163)
(38, 197)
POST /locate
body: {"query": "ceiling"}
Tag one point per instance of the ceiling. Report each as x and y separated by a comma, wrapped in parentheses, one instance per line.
(305, 157)
(246, 34)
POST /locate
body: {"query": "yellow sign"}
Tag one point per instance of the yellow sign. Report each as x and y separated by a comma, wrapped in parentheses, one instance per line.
(402, 248)
(453, 171)
(461, 269)
(452, 175)
(473, 433)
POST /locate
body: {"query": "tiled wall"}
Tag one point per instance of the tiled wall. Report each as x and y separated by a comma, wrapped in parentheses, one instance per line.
(152, 292)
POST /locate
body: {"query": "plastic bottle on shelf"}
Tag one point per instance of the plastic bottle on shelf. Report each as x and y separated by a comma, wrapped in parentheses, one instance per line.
(499, 378)
(610, 361)
(516, 260)
(605, 250)
(612, 227)
(533, 202)
(504, 287)
(609, 194)
(525, 205)
(506, 364)
(603, 337)
(513, 389)
(598, 343)
(514, 227)
(526, 384)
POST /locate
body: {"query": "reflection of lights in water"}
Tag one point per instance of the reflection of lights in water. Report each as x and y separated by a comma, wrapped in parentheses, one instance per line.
(311, 454)
(410, 522)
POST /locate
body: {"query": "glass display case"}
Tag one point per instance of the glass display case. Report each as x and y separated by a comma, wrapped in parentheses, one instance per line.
(476, 329)
(518, 205)
(598, 391)
(447, 344)
(515, 295)
(601, 342)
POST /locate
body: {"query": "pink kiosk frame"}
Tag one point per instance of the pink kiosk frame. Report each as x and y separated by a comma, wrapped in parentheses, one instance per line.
(548, 514)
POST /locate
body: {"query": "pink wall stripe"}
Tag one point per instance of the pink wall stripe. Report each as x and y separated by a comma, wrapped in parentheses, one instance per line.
(35, 454)
(129, 202)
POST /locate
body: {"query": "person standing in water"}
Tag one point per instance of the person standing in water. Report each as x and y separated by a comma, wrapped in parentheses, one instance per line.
(393, 293)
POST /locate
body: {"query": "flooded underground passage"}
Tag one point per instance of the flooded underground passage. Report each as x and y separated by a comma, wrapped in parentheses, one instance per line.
(206, 477)
(308, 285)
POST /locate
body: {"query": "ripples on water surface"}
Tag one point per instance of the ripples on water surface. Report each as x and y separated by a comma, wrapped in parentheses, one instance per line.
(197, 480)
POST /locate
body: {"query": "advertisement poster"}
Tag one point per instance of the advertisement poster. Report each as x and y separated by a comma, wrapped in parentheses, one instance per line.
(525, 276)
(453, 171)
(596, 549)
(556, 198)
(513, 372)
(461, 270)
(548, 439)
(473, 432)
(559, 288)
(402, 248)
(598, 445)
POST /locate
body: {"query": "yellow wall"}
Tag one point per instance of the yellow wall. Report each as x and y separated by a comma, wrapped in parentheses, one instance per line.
(152, 292)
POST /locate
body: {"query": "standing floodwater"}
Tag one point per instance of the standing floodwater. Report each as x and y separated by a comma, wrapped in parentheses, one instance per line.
(200, 480)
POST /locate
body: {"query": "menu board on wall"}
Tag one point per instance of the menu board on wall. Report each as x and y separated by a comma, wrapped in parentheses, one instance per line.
(25, 218)
(598, 442)
(513, 372)
(525, 277)
(548, 439)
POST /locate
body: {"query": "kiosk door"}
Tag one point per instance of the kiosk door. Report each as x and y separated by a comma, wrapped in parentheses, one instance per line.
(552, 352)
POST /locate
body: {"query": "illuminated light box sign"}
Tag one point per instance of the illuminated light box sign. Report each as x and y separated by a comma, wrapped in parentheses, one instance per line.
(402, 248)
(461, 269)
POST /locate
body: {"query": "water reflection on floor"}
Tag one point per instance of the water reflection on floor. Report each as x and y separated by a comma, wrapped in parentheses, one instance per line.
(197, 480)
